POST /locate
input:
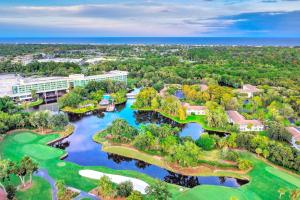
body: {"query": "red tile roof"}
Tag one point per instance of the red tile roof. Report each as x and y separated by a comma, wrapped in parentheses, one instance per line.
(203, 87)
(188, 106)
(249, 88)
(237, 118)
(294, 132)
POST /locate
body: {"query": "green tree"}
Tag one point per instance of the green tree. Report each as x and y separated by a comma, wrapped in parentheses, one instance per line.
(135, 195)
(186, 154)
(145, 97)
(206, 142)
(59, 121)
(34, 95)
(5, 171)
(277, 131)
(215, 116)
(159, 191)
(71, 99)
(119, 97)
(169, 143)
(11, 192)
(244, 164)
(97, 95)
(30, 166)
(40, 120)
(154, 103)
(144, 141)
(106, 187)
(258, 151)
(124, 189)
(170, 105)
(121, 131)
(182, 113)
(266, 153)
(281, 192)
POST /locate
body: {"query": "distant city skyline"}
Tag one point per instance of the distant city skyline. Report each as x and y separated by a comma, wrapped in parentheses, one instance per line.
(203, 18)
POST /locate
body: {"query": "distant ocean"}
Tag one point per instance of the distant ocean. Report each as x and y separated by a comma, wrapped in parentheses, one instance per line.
(226, 41)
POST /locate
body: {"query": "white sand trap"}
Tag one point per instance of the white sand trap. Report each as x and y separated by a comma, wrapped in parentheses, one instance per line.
(138, 185)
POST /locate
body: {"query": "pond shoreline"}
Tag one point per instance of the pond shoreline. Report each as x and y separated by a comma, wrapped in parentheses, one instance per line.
(210, 170)
(187, 120)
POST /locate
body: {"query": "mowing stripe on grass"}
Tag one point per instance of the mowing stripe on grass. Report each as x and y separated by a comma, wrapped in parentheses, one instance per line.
(285, 176)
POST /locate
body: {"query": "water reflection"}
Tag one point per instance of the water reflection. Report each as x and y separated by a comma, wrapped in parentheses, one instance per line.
(61, 144)
(83, 151)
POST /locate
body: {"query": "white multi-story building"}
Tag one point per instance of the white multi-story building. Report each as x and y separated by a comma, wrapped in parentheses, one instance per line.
(244, 125)
(20, 88)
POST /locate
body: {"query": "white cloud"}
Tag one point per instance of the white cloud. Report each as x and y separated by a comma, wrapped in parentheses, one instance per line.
(142, 19)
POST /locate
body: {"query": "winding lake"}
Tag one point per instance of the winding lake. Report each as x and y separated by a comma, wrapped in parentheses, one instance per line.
(84, 151)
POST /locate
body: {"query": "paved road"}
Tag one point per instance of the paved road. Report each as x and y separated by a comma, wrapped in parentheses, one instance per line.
(43, 173)
(85, 195)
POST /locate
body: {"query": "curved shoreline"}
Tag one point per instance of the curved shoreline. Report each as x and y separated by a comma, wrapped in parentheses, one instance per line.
(204, 126)
(161, 162)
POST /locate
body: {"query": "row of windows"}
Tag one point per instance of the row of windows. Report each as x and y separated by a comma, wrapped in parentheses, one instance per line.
(59, 85)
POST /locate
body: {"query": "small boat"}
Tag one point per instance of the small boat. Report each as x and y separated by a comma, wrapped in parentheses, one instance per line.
(110, 108)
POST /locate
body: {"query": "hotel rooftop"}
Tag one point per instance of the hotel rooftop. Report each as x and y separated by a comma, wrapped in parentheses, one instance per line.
(16, 86)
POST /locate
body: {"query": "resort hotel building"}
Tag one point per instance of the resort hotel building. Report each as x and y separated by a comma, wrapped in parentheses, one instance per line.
(49, 88)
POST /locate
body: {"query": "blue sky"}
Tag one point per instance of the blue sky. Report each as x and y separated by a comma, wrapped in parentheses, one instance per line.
(204, 18)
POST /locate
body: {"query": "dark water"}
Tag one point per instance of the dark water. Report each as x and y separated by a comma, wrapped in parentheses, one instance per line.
(83, 151)
(227, 41)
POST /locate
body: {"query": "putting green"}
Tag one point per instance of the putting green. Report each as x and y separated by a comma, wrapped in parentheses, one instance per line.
(61, 164)
(41, 152)
(24, 137)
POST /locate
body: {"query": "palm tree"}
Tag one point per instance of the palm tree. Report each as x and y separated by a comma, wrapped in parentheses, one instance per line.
(281, 191)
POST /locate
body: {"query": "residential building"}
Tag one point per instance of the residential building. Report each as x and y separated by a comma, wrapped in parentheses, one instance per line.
(20, 88)
(249, 90)
(244, 125)
(194, 110)
(203, 87)
(294, 132)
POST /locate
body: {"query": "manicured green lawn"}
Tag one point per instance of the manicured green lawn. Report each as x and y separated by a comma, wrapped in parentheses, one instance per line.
(287, 177)
(24, 137)
(264, 179)
(40, 189)
(48, 158)
(210, 192)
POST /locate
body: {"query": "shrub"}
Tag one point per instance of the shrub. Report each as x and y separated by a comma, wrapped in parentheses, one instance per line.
(135, 195)
(244, 164)
(231, 155)
(106, 187)
(206, 142)
(124, 189)
(11, 192)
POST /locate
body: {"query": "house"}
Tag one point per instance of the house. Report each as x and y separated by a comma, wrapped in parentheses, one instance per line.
(244, 125)
(196, 110)
(248, 89)
(294, 132)
(203, 87)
